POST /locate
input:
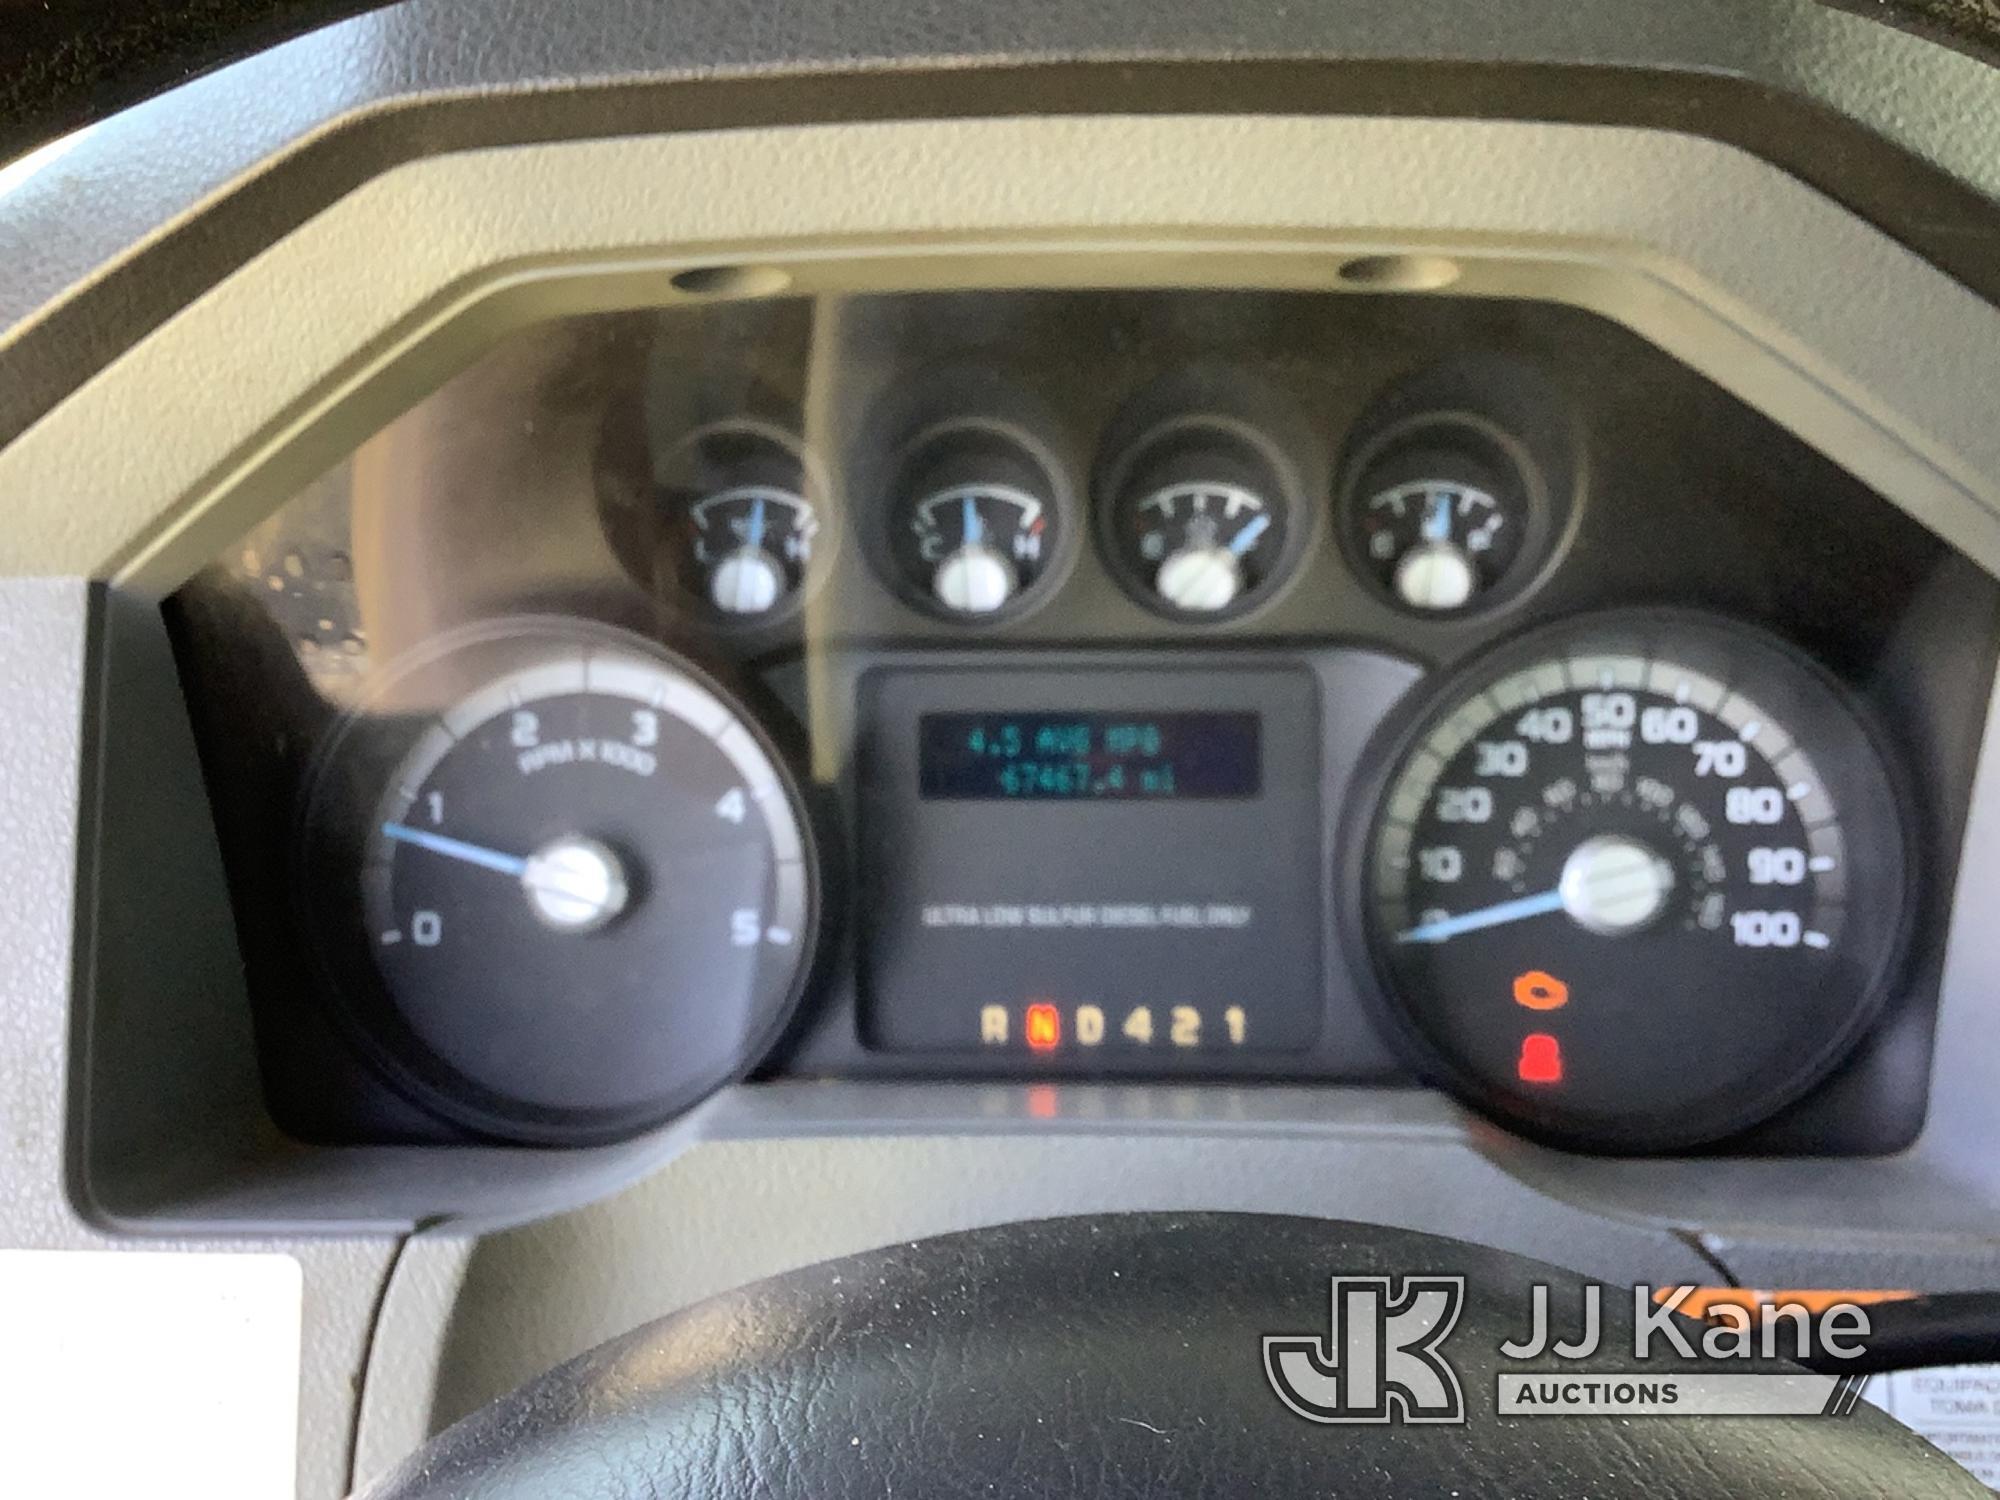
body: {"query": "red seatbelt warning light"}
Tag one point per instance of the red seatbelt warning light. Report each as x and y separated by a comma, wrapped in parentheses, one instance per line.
(1043, 1027)
(1541, 1059)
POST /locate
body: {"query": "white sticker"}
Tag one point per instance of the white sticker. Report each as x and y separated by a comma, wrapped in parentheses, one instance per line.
(149, 1373)
(1956, 1406)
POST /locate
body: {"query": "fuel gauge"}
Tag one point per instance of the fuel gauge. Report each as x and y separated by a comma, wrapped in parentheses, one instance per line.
(1199, 523)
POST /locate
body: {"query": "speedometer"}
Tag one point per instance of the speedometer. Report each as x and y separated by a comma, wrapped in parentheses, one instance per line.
(1637, 882)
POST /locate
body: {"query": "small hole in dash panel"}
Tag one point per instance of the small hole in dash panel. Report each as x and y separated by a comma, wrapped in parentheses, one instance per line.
(1400, 273)
(732, 281)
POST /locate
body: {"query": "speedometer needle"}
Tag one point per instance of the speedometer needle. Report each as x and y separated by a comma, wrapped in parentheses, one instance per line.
(1496, 915)
(472, 854)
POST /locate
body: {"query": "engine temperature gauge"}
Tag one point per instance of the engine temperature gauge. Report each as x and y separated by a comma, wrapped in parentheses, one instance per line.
(976, 522)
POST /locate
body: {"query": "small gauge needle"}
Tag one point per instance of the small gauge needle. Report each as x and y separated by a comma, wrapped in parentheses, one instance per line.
(971, 532)
(756, 538)
(1487, 916)
(1245, 539)
(1437, 521)
(472, 854)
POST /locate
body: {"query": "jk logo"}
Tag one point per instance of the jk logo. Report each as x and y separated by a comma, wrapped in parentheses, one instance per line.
(1379, 1361)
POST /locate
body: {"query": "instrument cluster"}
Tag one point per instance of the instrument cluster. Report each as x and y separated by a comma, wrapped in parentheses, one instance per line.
(1208, 686)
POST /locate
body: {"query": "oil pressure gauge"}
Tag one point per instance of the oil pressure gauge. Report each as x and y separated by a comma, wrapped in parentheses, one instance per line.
(739, 526)
(1199, 523)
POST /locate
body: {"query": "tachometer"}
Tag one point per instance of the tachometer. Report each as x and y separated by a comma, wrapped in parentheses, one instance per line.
(577, 892)
(1637, 882)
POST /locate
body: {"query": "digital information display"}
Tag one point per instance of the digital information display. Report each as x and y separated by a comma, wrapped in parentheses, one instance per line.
(1093, 869)
(1049, 756)
(1074, 864)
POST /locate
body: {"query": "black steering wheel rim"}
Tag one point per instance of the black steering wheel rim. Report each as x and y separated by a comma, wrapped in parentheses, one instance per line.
(1117, 1354)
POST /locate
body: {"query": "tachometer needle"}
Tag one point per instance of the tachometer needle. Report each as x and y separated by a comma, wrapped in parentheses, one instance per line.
(970, 530)
(1487, 916)
(450, 848)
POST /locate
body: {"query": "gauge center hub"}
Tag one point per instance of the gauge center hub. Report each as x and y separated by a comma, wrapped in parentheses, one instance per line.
(575, 884)
(1200, 578)
(748, 581)
(1612, 885)
(1435, 575)
(974, 580)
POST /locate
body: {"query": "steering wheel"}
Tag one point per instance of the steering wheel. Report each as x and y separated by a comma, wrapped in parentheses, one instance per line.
(1126, 1354)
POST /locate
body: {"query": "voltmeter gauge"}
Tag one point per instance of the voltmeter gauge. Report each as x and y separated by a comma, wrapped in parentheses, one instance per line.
(1200, 519)
(579, 889)
(1636, 882)
(976, 521)
(1440, 519)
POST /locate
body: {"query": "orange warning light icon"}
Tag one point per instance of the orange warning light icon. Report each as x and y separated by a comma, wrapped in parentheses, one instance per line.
(1540, 991)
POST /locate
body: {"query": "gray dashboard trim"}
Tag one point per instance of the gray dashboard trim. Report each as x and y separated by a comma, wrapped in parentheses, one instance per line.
(466, 1321)
(187, 186)
(44, 625)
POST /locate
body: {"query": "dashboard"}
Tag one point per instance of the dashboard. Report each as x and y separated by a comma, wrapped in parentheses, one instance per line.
(1579, 405)
(1362, 687)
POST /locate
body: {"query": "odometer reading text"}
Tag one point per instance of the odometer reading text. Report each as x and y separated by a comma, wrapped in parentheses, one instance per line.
(1086, 757)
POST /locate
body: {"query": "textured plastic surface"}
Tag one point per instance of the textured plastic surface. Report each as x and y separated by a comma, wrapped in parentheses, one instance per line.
(1817, 344)
(43, 627)
(277, 137)
(465, 1323)
(62, 67)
